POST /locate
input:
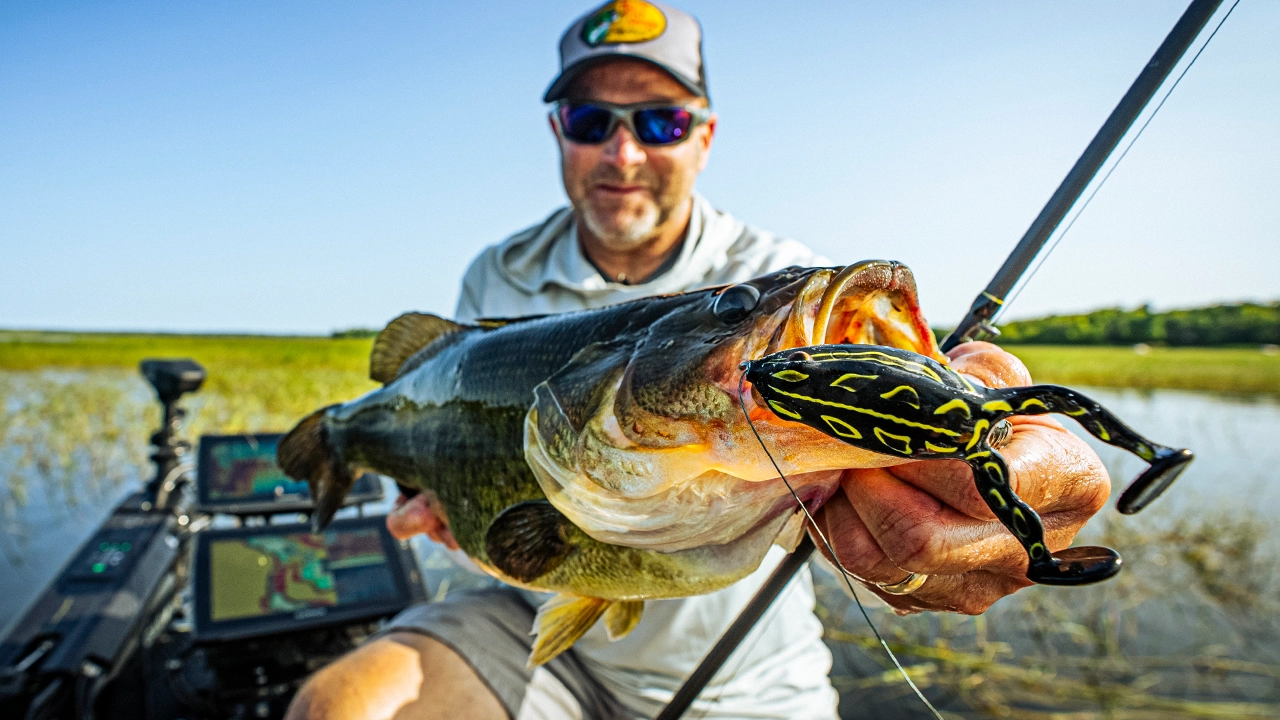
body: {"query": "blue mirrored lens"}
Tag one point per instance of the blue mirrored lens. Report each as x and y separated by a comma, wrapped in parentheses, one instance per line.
(662, 126)
(585, 123)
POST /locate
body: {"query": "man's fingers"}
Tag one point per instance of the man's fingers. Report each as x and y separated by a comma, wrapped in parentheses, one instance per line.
(989, 364)
(857, 550)
(1051, 469)
(420, 515)
(409, 517)
(971, 593)
(919, 533)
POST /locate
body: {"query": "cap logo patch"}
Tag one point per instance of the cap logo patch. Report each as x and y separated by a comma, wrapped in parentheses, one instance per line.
(623, 21)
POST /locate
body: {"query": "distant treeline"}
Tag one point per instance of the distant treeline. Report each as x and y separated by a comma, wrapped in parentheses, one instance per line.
(1242, 324)
(354, 333)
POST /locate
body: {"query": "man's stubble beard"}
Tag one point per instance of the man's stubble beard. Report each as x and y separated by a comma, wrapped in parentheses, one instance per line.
(641, 229)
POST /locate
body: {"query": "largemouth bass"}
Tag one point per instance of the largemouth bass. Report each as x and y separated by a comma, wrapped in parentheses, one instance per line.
(602, 455)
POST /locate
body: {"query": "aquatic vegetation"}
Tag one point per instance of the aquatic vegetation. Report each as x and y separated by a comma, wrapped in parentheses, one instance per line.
(79, 437)
(1190, 630)
(69, 436)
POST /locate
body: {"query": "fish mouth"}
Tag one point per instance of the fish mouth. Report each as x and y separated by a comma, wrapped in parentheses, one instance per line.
(868, 303)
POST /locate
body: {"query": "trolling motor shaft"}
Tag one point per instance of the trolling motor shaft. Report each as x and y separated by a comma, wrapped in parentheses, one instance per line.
(171, 379)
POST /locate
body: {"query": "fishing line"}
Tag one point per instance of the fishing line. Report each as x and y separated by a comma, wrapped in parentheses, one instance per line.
(844, 574)
(1114, 165)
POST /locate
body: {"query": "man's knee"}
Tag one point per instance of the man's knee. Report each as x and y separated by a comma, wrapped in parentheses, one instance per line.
(398, 673)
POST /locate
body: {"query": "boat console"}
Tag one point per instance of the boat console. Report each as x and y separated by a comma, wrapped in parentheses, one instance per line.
(205, 595)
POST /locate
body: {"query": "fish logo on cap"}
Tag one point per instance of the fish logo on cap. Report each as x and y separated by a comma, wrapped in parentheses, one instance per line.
(623, 21)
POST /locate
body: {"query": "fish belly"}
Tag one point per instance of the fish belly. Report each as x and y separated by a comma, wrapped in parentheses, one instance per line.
(471, 456)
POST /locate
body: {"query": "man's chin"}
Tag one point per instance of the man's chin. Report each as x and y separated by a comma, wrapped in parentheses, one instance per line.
(622, 230)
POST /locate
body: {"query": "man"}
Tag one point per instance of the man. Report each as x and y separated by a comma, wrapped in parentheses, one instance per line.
(634, 128)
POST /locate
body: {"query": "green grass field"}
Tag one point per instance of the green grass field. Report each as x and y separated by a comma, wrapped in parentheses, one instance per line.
(28, 350)
(345, 361)
(1237, 370)
(255, 383)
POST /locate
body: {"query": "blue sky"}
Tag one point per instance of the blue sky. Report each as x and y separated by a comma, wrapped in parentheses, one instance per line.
(303, 166)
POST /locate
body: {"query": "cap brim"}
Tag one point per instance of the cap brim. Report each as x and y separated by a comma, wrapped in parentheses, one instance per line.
(561, 84)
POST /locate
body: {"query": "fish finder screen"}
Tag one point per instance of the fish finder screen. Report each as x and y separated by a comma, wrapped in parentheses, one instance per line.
(298, 573)
(238, 474)
(244, 468)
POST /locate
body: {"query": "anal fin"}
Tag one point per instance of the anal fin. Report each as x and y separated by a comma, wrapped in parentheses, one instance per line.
(622, 617)
(560, 622)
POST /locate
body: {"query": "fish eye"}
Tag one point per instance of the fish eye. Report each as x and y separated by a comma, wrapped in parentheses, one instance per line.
(736, 302)
(799, 356)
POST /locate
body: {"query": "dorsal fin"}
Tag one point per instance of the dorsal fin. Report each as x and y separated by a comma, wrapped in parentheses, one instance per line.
(403, 337)
(489, 323)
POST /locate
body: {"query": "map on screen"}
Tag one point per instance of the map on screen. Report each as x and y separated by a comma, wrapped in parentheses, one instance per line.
(247, 468)
(297, 573)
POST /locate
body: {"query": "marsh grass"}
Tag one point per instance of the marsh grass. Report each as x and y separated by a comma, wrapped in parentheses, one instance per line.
(1190, 629)
(78, 437)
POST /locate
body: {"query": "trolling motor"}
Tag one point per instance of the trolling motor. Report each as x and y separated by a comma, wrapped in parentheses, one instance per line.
(171, 379)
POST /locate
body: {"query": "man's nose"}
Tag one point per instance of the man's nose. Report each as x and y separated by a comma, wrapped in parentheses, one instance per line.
(622, 150)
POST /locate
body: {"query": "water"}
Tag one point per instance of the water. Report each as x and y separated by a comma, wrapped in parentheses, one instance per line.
(1197, 591)
(1236, 439)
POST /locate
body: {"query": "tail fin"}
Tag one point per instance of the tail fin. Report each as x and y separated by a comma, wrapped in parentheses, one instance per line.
(304, 454)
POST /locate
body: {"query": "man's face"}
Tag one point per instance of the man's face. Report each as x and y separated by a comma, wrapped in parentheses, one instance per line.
(623, 190)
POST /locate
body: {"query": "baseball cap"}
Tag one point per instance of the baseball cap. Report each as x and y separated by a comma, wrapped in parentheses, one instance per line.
(651, 31)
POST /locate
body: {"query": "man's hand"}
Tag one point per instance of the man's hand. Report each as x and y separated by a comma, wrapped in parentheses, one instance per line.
(421, 514)
(927, 517)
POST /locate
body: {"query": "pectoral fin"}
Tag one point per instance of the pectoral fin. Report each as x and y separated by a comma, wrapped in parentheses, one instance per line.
(527, 540)
(622, 617)
(560, 622)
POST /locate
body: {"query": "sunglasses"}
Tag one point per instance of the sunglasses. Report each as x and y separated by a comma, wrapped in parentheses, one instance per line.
(591, 123)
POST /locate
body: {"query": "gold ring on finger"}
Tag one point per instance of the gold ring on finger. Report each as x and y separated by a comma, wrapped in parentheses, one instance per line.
(906, 586)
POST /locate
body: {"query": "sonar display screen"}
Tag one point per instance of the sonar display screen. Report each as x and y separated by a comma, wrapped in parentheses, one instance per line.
(297, 573)
(238, 474)
(244, 469)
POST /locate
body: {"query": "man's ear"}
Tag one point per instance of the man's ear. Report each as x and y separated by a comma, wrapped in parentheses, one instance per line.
(555, 129)
(705, 139)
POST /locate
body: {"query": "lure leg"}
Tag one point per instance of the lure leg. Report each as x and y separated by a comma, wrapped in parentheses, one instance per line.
(1073, 566)
(1166, 463)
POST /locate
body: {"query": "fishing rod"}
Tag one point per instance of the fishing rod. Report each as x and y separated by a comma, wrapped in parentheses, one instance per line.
(984, 307)
(989, 301)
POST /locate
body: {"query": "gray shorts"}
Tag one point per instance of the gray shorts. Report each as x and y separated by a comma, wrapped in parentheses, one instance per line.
(489, 629)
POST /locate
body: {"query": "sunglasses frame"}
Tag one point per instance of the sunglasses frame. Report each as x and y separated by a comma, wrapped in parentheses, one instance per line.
(624, 115)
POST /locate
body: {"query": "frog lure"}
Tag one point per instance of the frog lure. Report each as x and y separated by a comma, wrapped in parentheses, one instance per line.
(904, 404)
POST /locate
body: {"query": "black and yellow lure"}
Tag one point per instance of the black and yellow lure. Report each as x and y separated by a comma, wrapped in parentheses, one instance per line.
(900, 403)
